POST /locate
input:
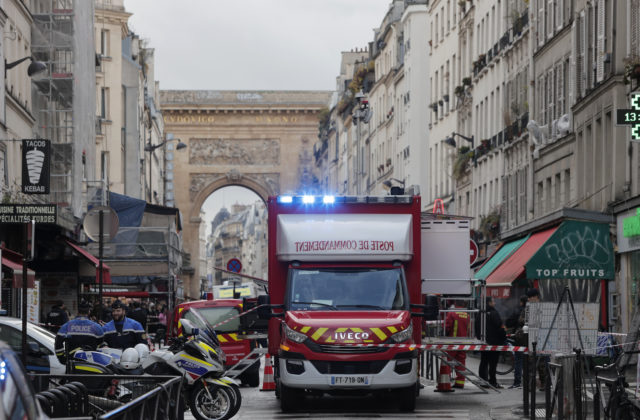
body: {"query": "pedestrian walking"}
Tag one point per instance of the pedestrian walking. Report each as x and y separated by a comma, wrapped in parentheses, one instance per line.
(495, 335)
(122, 332)
(139, 314)
(457, 325)
(80, 332)
(515, 324)
(57, 317)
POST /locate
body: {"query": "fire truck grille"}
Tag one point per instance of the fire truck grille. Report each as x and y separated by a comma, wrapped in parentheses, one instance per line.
(349, 368)
(327, 348)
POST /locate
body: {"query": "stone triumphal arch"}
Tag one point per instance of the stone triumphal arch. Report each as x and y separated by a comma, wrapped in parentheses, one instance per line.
(261, 140)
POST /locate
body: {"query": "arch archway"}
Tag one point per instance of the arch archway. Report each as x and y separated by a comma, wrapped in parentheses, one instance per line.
(262, 141)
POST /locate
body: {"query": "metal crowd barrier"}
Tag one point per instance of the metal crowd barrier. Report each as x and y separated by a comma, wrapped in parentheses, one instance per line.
(146, 397)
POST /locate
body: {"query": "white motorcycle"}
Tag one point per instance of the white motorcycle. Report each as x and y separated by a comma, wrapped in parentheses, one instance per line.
(197, 356)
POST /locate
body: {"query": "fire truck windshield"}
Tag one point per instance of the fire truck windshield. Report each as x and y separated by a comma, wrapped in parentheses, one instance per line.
(349, 289)
(217, 314)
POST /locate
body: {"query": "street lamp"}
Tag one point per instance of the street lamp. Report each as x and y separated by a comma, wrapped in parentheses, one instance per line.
(393, 190)
(34, 68)
(451, 141)
(150, 148)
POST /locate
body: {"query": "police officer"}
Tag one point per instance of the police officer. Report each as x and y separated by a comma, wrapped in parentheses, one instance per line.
(57, 317)
(80, 332)
(122, 332)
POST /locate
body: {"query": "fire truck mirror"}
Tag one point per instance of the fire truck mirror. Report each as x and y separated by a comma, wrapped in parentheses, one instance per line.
(431, 308)
(264, 310)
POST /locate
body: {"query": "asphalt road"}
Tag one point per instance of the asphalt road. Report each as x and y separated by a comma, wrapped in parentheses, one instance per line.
(468, 403)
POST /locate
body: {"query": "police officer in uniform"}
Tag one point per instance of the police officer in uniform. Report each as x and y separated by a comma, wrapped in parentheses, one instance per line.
(57, 317)
(80, 332)
(122, 332)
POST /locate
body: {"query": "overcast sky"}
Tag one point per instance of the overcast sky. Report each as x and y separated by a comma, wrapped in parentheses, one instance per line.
(253, 44)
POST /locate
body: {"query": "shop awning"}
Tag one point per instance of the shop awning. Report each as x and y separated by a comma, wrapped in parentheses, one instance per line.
(514, 266)
(106, 271)
(576, 250)
(498, 257)
(16, 267)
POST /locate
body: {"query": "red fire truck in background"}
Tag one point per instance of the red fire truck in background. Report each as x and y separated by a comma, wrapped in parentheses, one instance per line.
(230, 334)
(344, 272)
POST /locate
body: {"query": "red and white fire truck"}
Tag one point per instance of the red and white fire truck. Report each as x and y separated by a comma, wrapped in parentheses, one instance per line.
(344, 275)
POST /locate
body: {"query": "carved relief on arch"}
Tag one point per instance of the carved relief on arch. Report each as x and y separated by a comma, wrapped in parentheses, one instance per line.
(226, 152)
(262, 183)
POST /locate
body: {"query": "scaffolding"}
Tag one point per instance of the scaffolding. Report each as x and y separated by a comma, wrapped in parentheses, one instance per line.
(53, 44)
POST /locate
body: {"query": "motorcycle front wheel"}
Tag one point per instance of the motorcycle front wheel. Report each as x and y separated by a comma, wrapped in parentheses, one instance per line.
(213, 402)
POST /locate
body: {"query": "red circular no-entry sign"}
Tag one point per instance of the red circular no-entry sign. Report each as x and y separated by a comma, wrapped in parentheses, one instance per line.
(234, 265)
(473, 251)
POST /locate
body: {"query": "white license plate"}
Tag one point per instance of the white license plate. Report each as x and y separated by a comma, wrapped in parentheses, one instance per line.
(351, 380)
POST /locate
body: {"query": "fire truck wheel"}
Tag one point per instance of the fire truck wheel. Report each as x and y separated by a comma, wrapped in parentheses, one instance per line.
(406, 398)
(290, 398)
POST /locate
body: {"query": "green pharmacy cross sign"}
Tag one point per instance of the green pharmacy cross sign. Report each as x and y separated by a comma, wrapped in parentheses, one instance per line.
(631, 117)
(631, 225)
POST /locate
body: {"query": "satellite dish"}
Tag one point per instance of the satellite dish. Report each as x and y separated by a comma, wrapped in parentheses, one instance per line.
(110, 223)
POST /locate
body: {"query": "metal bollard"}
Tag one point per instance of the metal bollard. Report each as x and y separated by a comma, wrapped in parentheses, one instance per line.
(525, 383)
(560, 394)
(577, 371)
(534, 365)
(548, 398)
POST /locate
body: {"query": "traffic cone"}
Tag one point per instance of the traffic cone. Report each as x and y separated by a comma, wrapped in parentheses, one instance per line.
(267, 381)
(444, 379)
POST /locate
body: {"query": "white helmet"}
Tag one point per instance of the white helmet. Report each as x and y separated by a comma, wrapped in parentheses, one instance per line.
(130, 359)
(143, 350)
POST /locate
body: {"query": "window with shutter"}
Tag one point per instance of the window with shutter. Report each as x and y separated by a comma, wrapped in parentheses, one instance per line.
(540, 100)
(582, 55)
(550, 25)
(523, 195)
(634, 28)
(601, 41)
(562, 68)
(559, 15)
(572, 69)
(550, 98)
(541, 22)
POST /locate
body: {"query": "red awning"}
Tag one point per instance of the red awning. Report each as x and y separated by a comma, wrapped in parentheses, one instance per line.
(16, 267)
(106, 273)
(513, 267)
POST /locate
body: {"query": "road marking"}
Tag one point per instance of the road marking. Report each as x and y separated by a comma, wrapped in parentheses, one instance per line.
(434, 414)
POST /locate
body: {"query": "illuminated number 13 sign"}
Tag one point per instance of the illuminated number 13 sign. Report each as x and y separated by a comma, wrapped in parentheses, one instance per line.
(631, 117)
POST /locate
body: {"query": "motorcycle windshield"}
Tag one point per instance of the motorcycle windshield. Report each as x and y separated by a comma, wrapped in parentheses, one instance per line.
(206, 330)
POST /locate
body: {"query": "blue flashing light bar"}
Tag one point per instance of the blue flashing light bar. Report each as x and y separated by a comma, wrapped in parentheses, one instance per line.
(330, 199)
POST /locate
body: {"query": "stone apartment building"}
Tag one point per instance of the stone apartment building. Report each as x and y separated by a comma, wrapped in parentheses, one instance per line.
(535, 85)
(129, 122)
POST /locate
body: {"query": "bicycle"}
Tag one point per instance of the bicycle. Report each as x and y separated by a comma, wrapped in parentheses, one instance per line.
(618, 405)
(506, 363)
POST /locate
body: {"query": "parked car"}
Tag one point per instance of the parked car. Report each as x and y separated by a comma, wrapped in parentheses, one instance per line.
(18, 399)
(41, 355)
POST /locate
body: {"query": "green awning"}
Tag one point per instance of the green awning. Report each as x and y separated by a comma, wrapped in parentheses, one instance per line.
(498, 257)
(577, 250)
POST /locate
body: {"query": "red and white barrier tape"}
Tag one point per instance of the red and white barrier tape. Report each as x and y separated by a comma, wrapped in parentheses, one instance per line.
(236, 316)
(445, 347)
(614, 334)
